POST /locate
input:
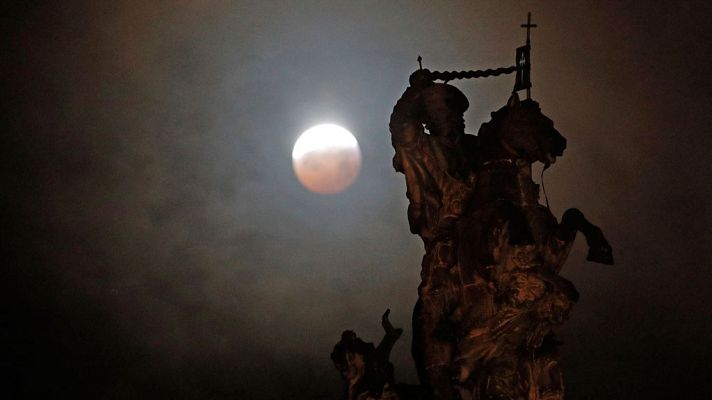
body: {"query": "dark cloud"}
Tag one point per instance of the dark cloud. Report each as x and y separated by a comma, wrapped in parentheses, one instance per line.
(159, 245)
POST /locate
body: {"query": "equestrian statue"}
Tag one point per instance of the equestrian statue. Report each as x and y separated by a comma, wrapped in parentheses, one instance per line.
(491, 297)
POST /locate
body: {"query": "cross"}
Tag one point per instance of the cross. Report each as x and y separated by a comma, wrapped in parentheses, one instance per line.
(528, 25)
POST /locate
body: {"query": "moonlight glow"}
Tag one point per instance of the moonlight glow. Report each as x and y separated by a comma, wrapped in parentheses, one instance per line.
(326, 158)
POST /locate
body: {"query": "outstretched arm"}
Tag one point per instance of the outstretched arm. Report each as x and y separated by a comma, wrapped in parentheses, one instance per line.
(407, 136)
(406, 122)
(383, 351)
(408, 115)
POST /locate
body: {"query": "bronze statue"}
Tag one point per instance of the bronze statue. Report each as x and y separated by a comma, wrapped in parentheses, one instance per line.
(365, 368)
(491, 296)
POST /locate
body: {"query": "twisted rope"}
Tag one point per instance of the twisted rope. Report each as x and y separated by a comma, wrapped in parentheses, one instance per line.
(450, 75)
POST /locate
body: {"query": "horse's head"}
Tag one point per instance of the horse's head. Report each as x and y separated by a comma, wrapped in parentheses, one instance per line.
(524, 132)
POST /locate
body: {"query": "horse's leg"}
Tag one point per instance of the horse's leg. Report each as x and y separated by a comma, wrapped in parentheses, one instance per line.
(572, 221)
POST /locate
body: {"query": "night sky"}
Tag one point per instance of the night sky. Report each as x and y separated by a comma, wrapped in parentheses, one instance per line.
(158, 244)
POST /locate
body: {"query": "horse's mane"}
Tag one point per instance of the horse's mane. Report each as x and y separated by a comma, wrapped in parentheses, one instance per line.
(489, 130)
(528, 104)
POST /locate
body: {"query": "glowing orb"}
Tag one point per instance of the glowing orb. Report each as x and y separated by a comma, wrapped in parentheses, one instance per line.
(326, 159)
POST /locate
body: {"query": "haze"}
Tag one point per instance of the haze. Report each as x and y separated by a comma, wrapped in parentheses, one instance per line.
(158, 244)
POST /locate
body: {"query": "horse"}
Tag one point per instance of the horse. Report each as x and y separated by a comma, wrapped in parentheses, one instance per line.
(511, 251)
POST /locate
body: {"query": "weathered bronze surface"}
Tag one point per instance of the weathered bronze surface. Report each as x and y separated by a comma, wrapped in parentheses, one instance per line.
(491, 296)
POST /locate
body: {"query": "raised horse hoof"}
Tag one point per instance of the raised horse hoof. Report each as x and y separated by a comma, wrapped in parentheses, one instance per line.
(602, 254)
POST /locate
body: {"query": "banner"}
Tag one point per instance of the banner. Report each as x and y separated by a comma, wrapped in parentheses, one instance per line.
(522, 81)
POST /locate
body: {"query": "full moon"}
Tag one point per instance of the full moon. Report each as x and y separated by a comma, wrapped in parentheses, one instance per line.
(326, 159)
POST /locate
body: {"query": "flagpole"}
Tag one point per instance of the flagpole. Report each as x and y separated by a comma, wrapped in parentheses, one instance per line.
(529, 25)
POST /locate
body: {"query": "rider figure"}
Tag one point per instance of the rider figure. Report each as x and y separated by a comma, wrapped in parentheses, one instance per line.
(439, 176)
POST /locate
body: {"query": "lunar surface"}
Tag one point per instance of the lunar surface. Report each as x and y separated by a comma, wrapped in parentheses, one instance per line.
(326, 159)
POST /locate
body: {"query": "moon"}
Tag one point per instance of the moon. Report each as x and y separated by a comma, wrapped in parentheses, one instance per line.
(326, 159)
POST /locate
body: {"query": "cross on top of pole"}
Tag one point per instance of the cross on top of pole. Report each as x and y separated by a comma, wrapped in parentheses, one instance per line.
(528, 25)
